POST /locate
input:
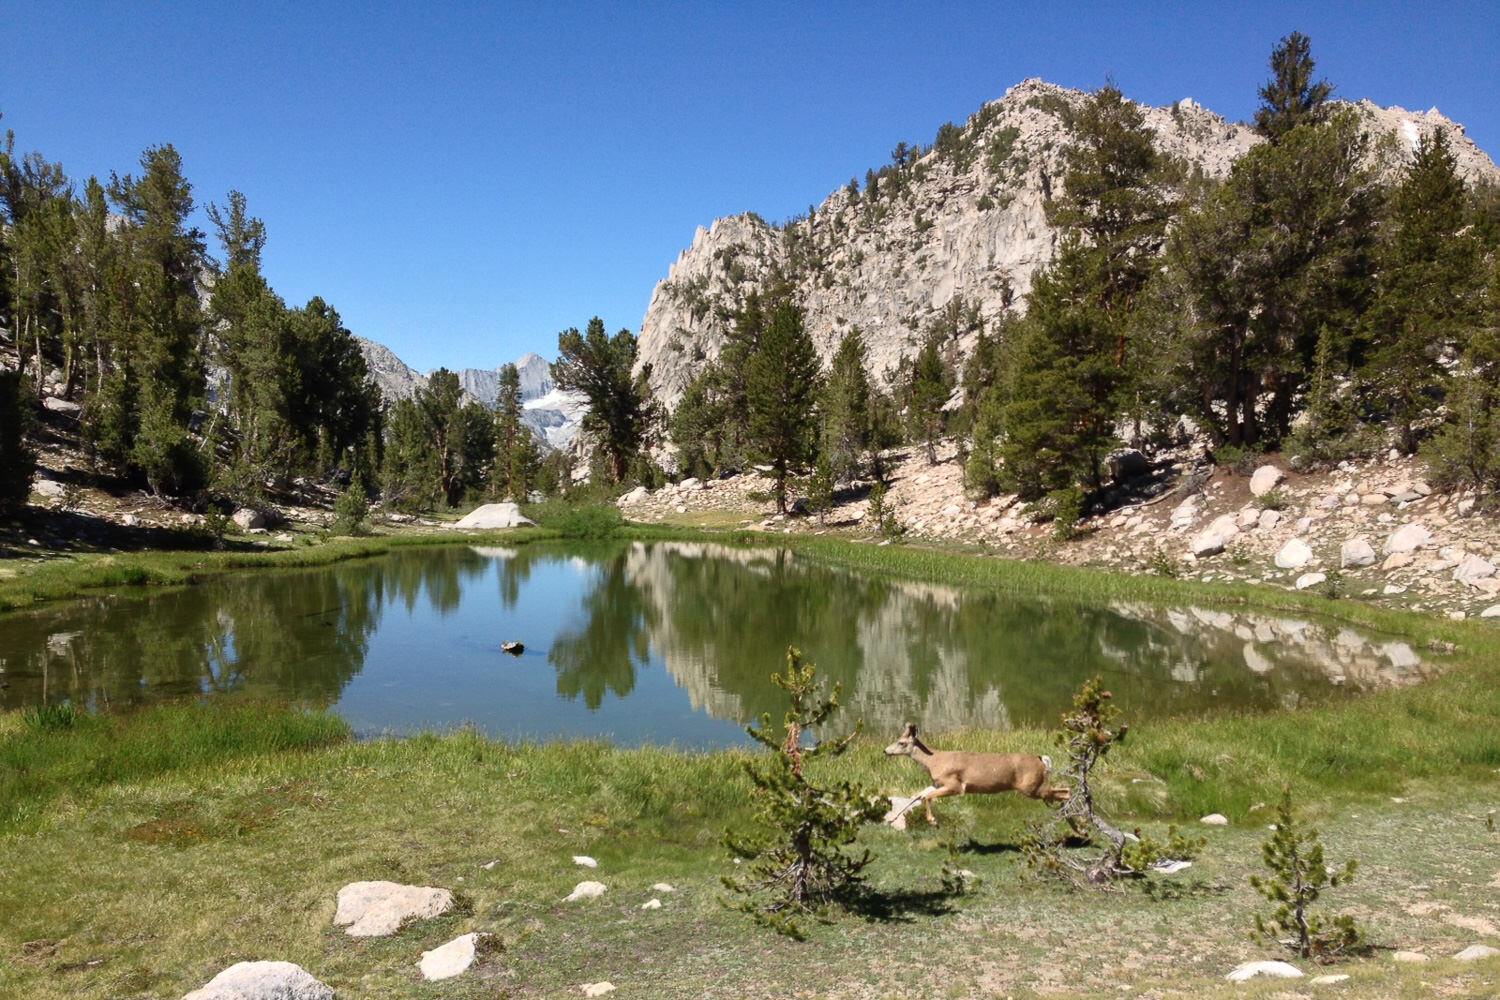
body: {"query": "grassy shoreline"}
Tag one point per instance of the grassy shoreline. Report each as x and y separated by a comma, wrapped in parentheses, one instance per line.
(142, 853)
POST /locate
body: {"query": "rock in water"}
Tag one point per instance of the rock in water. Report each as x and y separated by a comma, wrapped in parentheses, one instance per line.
(263, 981)
(376, 909)
(513, 648)
(493, 515)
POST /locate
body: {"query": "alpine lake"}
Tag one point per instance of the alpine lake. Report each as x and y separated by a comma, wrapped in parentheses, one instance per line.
(664, 643)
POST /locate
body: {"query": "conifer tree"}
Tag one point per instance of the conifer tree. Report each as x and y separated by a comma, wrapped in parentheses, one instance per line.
(928, 388)
(620, 408)
(845, 409)
(516, 455)
(17, 461)
(698, 425)
(1291, 98)
(1427, 292)
(781, 383)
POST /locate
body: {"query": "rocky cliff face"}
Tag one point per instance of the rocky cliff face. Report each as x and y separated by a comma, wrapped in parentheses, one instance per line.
(967, 227)
(552, 415)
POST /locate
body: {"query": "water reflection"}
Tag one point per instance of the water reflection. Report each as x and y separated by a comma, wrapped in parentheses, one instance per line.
(651, 642)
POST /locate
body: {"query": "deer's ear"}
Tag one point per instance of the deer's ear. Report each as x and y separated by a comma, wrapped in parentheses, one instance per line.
(911, 729)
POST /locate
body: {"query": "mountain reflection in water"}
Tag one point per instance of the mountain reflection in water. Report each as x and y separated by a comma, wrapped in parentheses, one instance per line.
(661, 642)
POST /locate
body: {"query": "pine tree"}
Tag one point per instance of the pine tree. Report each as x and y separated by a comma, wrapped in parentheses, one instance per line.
(1298, 877)
(1291, 98)
(620, 409)
(17, 461)
(698, 425)
(1427, 291)
(928, 387)
(781, 385)
(517, 459)
(845, 409)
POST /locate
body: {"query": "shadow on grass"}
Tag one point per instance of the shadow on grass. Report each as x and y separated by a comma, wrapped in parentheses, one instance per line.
(972, 846)
(900, 905)
(1171, 892)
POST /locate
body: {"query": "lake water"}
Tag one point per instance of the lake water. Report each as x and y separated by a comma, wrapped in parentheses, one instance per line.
(662, 643)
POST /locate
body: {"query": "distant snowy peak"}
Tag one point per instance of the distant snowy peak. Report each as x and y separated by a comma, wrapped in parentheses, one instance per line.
(553, 415)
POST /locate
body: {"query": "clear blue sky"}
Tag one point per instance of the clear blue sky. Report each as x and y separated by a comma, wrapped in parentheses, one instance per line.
(462, 181)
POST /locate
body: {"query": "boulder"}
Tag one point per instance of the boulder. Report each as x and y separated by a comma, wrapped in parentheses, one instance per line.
(1248, 518)
(49, 488)
(1329, 979)
(651, 904)
(1294, 554)
(1472, 569)
(58, 405)
(633, 496)
(447, 961)
(662, 887)
(1124, 464)
(597, 989)
(583, 860)
(249, 517)
(493, 515)
(1275, 970)
(1268, 519)
(1410, 956)
(585, 890)
(1208, 543)
(1493, 611)
(1265, 479)
(377, 909)
(263, 981)
(1408, 538)
(1215, 819)
(1475, 952)
(1310, 580)
(1356, 552)
(1398, 560)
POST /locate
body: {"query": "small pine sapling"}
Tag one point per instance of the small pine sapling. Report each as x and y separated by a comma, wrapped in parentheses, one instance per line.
(1298, 877)
(797, 863)
(1088, 734)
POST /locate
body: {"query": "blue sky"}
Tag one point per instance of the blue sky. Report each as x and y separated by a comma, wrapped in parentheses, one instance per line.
(462, 181)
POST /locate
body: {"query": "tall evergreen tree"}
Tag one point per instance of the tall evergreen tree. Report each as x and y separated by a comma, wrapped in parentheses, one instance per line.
(1290, 98)
(845, 410)
(517, 458)
(781, 385)
(928, 388)
(17, 461)
(1427, 292)
(164, 323)
(698, 425)
(620, 409)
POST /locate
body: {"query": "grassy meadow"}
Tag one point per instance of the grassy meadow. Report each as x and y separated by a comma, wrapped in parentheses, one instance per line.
(140, 854)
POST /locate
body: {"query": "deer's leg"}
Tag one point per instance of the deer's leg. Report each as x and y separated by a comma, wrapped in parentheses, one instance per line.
(938, 793)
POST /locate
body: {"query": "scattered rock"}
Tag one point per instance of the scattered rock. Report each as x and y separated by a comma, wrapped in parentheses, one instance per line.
(1473, 568)
(1408, 538)
(1268, 519)
(1475, 952)
(651, 904)
(1310, 580)
(1465, 507)
(59, 405)
(597, 989)
(585, 890)
(249, 517)
(1209, 543)
(1493, 611)
(1265, 479)
(263, 981)
(49, 488)
(493, 515)
(633, 496)
(585, 861)
(1276, 970)
(456, 956)
(1409, 956)
(662, 887)
(1215, 819)
(376, 909)
(1294, 554)
(1329, 979)
(1356, 553)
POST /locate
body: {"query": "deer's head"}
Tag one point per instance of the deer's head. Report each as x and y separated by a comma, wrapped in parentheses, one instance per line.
(906, 743)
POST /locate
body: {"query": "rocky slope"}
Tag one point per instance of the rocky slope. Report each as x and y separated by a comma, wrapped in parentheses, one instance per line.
(968, 227)
(552, 415)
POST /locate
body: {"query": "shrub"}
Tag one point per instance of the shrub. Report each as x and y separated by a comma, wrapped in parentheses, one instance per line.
(797, 865)
(1066, 507)
(577, 520)
(1298, 877)
(351, 509)
(1273, 499)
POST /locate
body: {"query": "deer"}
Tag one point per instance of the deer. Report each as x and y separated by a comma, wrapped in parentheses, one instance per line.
(958, 772)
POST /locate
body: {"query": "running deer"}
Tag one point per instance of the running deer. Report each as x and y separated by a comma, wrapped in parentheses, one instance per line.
(957, 772)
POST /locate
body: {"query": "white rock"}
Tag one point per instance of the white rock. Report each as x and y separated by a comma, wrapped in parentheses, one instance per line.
(1310, 580)
(1397, 560)
(49, 488)
(1409, 956)
(1170, 867)
(585, 890)
(449, 960)
(651, 904)
(1493, 611)
(1248, 517)
(1473, 568)
(585, 861)
(58, 405)
(249, 517)
(1475, 952)
(376, 909)
(597, 989)
(662, 887)
(1465, 507)
(1356, 552)
(1329, 979)
(1407, 538)
(1294, 554)
(1268, 519)
(493, 515)
(263, 981)
(1225, 525)
(1265, 479)
(1208, 543)
(1276, 970)
(691, 483)
(633, 496)
(1215, 819)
